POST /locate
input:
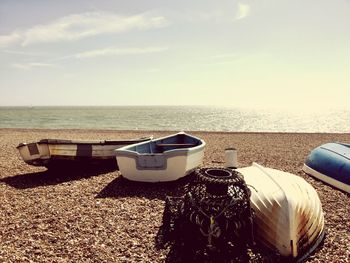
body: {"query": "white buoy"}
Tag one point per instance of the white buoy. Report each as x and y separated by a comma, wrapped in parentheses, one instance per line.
(231, 158)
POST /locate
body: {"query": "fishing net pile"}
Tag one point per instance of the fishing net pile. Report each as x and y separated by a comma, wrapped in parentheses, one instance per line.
(212, 220)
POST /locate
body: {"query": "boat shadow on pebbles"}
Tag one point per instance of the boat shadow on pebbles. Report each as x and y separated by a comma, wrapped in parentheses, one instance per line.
(121, 187)
(57, 174)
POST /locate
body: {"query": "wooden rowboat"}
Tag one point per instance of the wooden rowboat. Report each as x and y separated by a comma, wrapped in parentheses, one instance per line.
(288, 212)
(48, 152)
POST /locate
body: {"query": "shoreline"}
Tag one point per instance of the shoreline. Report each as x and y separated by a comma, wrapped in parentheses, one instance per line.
(85, 216)
(167, 131)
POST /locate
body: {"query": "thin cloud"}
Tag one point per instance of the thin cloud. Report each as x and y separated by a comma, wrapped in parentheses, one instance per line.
(226, 55)
(7, 40)
(21, 53)
(31, 65)
(79, 26)
(243, 11)
(118, 52)
(197, 16)
(221, 59)
(153, 70)
(218, 63)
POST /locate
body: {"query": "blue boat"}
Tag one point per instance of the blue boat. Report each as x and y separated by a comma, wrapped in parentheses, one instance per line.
(330, 163)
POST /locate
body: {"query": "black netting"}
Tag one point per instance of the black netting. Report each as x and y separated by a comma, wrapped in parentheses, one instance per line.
(213, 218)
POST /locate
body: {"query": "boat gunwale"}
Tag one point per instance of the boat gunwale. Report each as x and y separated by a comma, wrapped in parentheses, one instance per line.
(324, 147)
(328, 180)
(126, 152)
(82, 142)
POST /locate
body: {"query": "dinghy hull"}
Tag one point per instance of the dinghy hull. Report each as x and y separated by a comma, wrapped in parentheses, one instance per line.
(330, 163)
(161, 160)
(288, 212)
(50, 151)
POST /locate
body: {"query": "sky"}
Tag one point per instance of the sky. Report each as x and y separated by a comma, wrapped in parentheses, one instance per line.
(248, 53)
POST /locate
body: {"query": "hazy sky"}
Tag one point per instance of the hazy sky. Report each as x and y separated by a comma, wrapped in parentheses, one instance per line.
(272, 53)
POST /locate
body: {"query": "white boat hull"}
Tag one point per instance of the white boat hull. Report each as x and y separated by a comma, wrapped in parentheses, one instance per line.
(46, 151)
(97, 151)
(34, 153)
(288, 212)
(176, 167)
(327, 179)
(145, 165)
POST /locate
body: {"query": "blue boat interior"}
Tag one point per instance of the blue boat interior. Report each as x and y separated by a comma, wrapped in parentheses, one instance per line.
(179, 141)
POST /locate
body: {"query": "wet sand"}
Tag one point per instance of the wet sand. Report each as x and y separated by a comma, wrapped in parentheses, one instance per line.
(97, 216)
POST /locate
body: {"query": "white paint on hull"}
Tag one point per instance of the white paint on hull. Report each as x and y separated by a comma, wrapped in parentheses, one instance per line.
(98, 151)
(288, 211)
(326, 179)
(40, 153)
(43, 153)
(150, 162)
(175, 168)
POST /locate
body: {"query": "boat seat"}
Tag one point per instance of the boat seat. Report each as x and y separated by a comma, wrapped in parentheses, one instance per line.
(60, 141)
(176, 145)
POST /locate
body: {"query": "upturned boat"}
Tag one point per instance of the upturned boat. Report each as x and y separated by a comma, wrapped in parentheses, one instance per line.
(330, 163)
(160, 160)
(288, 216)
(48, 152)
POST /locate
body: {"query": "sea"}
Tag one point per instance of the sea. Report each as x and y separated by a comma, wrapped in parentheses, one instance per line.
(176, 118)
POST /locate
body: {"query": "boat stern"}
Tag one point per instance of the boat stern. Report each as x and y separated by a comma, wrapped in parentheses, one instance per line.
(288, 212)
(165, 159)
(34, 153)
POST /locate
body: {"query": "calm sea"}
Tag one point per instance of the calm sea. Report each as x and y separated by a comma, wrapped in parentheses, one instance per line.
(175, 118)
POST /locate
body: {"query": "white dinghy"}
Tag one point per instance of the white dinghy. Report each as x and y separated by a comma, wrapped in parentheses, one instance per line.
(161, 160)
(288, 212)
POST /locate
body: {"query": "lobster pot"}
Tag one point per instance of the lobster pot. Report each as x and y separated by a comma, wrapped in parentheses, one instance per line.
(213, 215)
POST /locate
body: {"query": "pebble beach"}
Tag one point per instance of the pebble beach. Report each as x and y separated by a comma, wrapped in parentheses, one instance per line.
(98, 216)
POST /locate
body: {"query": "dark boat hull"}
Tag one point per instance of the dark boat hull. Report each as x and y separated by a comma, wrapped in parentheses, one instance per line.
(330, 163)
